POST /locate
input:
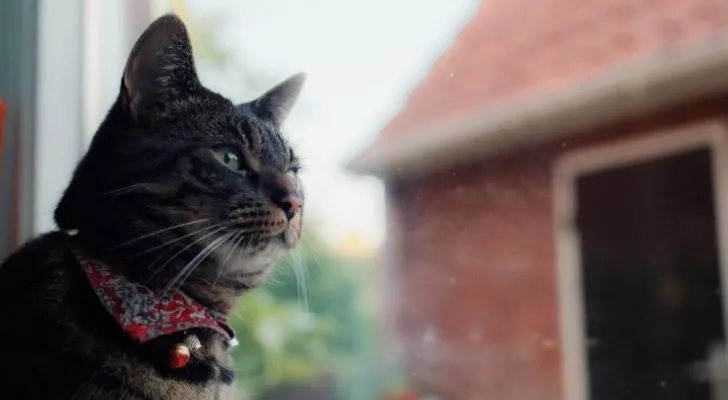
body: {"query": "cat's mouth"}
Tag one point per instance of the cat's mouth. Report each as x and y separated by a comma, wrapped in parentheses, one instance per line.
(245, 258)
(276, 227)
(282, 229)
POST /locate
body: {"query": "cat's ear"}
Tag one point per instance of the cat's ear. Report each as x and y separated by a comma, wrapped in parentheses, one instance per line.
(276, 104)
(160, 66)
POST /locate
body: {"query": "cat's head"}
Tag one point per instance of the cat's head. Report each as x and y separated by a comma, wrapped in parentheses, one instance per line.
(182, 185)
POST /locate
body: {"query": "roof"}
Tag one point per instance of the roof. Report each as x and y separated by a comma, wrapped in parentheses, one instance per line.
(520, 64)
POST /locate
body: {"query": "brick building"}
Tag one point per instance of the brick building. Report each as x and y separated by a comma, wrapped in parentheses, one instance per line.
(557, 193)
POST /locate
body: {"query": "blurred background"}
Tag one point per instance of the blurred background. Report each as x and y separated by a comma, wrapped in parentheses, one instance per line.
(507, 199)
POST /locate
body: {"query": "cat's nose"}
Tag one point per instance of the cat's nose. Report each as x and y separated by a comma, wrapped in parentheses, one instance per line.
(290, 204)
(281, 190)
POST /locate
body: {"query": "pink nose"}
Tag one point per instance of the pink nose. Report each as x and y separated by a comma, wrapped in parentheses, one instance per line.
(291, 204)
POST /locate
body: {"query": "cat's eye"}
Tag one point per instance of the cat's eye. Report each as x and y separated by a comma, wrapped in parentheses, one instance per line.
(293, 172)
(229, 157)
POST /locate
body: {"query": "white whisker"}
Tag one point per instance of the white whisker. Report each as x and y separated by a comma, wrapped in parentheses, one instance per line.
(242, 247)
(197, 260)
(126, 189)
(299, 270)
(236, 313)
(238, 236)
(312, 252)
(159, 246)
(128, 242)
(158, 269)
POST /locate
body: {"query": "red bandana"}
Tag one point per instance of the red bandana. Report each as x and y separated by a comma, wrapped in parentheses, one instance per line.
(141, 312)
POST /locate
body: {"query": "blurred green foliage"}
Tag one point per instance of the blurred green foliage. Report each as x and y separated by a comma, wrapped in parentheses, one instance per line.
(309, 323)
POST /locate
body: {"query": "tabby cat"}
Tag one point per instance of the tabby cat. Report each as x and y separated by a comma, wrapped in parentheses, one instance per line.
(183, 202)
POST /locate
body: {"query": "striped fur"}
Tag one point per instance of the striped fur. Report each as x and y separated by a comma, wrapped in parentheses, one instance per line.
(152, 200)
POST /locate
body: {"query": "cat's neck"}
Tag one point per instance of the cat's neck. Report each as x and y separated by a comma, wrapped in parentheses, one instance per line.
(215, 297)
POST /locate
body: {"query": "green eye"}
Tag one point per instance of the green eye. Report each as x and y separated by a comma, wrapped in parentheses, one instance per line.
(228, 157)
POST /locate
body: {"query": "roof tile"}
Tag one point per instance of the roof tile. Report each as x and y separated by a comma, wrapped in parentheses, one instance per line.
(516, 48)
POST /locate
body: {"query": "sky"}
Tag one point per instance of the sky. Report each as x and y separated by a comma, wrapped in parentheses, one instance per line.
(362, 58)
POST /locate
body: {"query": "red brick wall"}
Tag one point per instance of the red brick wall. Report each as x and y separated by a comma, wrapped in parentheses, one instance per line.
(472, 289)
(522, 48)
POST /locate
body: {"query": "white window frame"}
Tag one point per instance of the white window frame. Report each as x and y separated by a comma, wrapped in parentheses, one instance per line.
(59, 96)
(572, 165)
(82, 48)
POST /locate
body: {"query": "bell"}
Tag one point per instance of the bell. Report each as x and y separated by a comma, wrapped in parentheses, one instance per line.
(193, 342)
(180, 356)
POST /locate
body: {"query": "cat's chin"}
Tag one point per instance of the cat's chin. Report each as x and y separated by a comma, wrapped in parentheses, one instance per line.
(241, 267)
(248, 266)
(292, 235)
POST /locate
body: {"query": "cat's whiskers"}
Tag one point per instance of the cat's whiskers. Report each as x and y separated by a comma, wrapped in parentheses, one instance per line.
(271, 281)
(197, 260)
(236, 313)
(312, 253)
(304, 267)
(126, 189)
(175, 240)
(274, 279)
(224, 238)
(294, 265)
(300, 279)
(169, 243)
(238, 236)
(150, 234)
(306, 284)
(169, 260)
(243, 245)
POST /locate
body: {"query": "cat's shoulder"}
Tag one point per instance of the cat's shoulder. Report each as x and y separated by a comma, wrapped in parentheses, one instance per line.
(47, 248)
(42, 284)
(36, 263)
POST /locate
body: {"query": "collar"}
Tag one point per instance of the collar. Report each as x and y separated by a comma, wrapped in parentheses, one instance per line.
(141, 312)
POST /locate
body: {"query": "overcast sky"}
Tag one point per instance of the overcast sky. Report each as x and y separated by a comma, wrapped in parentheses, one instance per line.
(362, 57)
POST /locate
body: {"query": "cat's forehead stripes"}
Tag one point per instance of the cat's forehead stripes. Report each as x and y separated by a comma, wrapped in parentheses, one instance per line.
(250, 133)
(265, 146)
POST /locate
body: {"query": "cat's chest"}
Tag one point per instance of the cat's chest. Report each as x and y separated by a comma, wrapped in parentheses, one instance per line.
(208, 374)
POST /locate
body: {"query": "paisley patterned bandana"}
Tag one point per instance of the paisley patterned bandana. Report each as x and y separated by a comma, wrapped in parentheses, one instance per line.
(143, 314)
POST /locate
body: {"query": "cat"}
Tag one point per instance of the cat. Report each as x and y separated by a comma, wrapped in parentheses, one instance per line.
(182, 202)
